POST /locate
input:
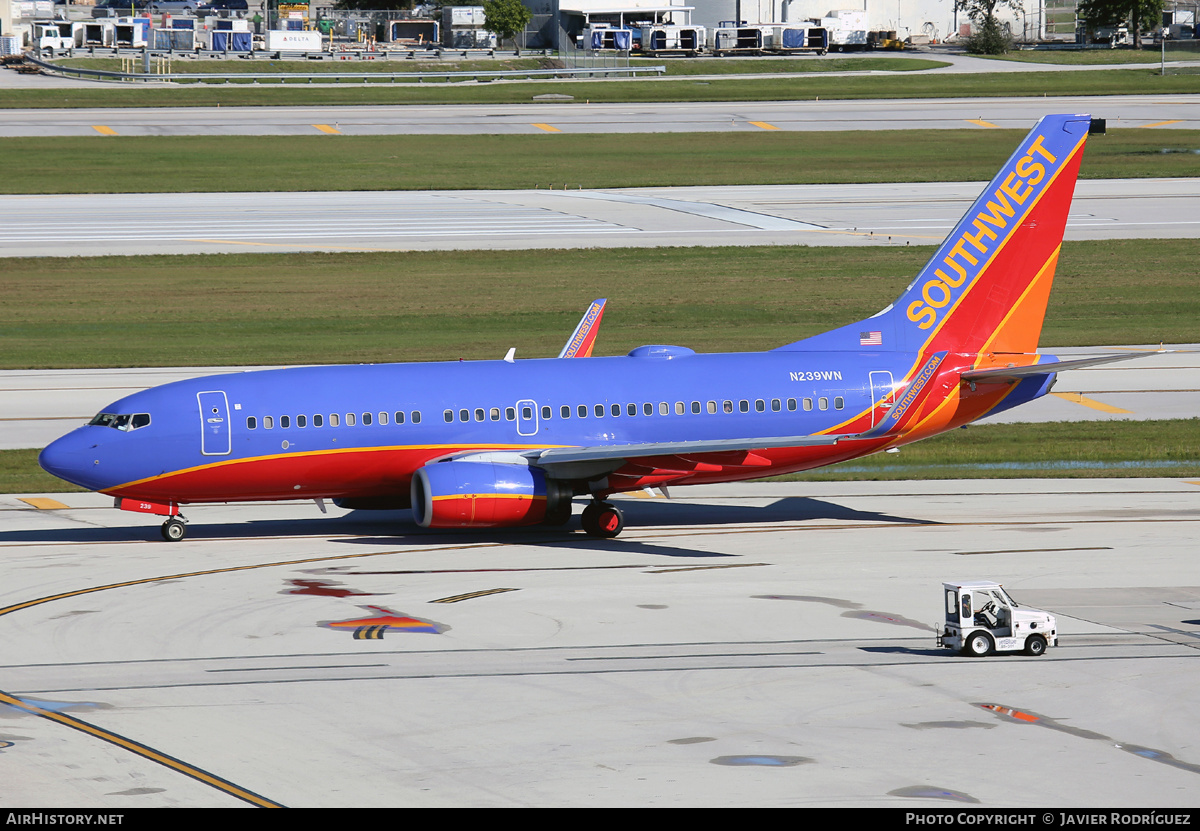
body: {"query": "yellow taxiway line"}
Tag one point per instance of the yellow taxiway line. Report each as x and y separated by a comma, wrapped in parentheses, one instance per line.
(1078, 398)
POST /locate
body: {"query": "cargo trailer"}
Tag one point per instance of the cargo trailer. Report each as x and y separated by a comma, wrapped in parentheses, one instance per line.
(670, 39)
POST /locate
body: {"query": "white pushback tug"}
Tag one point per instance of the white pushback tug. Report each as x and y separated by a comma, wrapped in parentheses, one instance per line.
(981, 618)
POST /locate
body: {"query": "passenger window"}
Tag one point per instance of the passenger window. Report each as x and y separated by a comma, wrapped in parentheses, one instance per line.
(527, 413)
(744, 406)
(285, 422)
(581, 410)
(251, 423)
(416, 416)
(648, 409)
(565, 411)
(334, 419)
(383, 418)
(695, 408)
(727, 406)
(464, 415)
(823, 403)
(318, 420)
(546, 412)
(399, 416)
(301, 421)
(631, 409)
(448, 415)
(510, 414)
(616, 409)
(479, 413)
(839, 403)
(268, 422)
(349, 419)
(776, 405)
(599, 411)
(791, 405)
(495, 413)
(808, 404)
(366, 418)
(712, 406)
(760, 406)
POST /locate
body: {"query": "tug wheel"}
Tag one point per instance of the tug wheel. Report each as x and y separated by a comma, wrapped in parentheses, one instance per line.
(979, 645)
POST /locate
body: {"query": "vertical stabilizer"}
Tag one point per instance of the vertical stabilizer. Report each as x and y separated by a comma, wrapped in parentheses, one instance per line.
(987, 286)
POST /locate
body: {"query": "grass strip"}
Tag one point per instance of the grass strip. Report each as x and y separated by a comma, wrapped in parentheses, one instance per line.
(170, 164)
(1058, 450)
(1100, 57)
(247, 309)
(1142, 81)
(674, 67)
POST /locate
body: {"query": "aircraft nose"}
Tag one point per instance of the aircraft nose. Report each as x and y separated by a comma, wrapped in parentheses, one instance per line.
(72, 458)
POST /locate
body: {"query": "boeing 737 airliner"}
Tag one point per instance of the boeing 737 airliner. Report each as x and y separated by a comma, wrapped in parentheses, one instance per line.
(484, 444)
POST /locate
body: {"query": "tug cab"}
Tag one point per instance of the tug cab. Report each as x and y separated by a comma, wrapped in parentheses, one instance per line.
(982, 618)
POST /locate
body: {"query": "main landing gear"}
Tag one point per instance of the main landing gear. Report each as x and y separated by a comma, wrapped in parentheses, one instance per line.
(174, 529)
(602, 519)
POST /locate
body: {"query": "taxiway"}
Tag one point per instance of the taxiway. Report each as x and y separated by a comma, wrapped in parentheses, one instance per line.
(757, 644)
(895, 214)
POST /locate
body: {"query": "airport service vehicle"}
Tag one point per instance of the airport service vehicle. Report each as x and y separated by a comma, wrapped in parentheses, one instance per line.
(981, 618)
(53, 36)
(174, 5)
(486, 444)
(118, 8)
(218, 6)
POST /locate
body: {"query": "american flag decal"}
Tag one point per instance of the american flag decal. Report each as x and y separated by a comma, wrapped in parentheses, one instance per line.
(870, 338)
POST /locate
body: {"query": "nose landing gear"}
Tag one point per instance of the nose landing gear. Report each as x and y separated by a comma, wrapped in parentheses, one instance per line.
(174, 529)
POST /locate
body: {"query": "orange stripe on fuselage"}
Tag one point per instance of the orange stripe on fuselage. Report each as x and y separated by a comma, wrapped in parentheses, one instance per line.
(359, 471)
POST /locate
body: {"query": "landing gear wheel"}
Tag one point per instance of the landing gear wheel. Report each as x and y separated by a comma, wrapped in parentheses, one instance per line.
(173, 530)
(979, 645)
(1035, 645)
(601, 519)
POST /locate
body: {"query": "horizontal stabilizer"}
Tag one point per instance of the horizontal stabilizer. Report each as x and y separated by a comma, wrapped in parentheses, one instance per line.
(1004, 374)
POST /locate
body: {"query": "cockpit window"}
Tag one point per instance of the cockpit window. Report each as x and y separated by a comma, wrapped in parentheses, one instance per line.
(121, 421)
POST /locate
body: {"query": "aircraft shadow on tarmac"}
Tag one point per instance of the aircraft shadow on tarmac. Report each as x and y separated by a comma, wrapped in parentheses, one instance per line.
(397, 527)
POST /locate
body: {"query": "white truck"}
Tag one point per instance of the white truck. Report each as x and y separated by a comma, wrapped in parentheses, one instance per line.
(53, 37)
(981, 618)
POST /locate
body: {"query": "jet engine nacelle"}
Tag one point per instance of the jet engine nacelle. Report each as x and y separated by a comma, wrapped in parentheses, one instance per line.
(487, 495)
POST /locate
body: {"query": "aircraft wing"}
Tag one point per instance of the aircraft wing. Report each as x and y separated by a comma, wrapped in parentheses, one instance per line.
(580, 344)
(1005, 374)
(620, 452)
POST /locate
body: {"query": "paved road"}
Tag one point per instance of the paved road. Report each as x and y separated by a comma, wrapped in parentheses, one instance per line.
(1141, 111)
(756, 644)
(873, 215)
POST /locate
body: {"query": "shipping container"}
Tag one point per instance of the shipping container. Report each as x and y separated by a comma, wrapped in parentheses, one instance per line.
(281, 41)
(413, 32)
(666, 39)
(740, 39)
(176, 39)
(606, 38)
(789, 39)
(93, 33)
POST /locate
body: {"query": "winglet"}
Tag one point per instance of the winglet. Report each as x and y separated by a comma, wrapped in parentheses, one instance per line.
(579, 345)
